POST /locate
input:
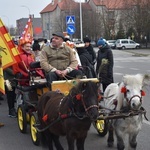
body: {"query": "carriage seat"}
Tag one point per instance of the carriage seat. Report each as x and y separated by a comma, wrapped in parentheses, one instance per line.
(35, 64)
(38, 84)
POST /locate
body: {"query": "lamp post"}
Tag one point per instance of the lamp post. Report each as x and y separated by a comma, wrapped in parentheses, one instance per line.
(27, 8)
(81, 30)
(7, 22)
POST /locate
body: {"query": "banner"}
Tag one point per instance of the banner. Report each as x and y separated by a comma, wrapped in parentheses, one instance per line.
(8, 50)
(27, 34)
(2, 86)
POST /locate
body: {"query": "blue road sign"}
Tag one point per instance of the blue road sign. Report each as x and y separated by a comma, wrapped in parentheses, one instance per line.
(71, 29)
(70, 20)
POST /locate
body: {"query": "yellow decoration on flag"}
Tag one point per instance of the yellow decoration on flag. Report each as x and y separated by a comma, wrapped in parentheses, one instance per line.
(9, 54)
(2, 86)
(8, 57)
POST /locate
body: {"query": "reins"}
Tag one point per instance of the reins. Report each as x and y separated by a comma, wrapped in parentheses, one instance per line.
(71, 113)
(87, 108)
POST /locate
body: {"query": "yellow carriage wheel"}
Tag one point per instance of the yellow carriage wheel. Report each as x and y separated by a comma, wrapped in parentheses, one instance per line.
(101, 126)
(22, 122)
(35, 135)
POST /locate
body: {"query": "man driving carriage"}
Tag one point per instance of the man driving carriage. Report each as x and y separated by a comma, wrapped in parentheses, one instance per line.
(58, 60)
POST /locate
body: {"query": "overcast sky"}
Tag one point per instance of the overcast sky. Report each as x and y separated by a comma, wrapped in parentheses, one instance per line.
(12, 10)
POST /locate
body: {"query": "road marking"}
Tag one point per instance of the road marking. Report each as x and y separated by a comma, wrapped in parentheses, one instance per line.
(134, 68)
(119, 67)
(120, 74)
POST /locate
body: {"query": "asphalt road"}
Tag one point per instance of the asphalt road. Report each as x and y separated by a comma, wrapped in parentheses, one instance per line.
(127, 61)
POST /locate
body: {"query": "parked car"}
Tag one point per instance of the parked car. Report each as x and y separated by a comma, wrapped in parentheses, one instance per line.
(126, 43)
(93, 43)
(77, 41)
(112, 43)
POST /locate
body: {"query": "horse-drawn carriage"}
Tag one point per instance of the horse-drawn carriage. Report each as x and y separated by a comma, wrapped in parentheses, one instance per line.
(28, 96)
(72, 105)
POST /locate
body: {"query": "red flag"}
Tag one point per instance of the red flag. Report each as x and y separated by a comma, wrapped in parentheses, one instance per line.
(27, 35)
(10, 53)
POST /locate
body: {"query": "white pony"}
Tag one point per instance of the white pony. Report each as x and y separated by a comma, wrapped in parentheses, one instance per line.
(124, 97)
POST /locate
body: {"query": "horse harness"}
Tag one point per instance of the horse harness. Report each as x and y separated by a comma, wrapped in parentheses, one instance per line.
(71, 113)
(126, 111)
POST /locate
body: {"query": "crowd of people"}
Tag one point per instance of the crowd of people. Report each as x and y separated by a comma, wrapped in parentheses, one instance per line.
(59, 59)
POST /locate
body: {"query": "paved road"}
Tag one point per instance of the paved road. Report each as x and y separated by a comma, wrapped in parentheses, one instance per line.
(125, 62)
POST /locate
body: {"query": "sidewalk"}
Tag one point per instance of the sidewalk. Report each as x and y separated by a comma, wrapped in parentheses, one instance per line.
(139, 52)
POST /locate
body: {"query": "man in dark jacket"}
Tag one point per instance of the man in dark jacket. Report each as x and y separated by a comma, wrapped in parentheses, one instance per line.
(90, 49)
(104, 67)
(86, 60)
(10, 91)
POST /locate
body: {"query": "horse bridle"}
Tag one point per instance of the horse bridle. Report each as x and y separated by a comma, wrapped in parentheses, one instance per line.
(129, 100)
(84, 105)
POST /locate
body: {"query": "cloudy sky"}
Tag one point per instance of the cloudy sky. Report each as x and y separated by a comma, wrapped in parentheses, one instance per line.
(12, 10)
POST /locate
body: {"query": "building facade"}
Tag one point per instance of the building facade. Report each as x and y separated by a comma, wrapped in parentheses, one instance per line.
(36, 23)
(100, 18)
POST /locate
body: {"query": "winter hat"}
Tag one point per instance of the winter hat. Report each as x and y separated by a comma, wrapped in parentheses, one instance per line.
(86, 39)
(59, 34)
(101, 42)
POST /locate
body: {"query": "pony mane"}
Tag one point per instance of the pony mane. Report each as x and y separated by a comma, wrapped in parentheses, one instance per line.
(134, 80)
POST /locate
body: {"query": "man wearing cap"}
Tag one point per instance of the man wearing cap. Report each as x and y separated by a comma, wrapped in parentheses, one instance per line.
(104, 67)
(58, 60)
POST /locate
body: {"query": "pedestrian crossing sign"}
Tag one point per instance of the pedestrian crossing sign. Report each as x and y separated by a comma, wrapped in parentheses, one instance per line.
(70, 20)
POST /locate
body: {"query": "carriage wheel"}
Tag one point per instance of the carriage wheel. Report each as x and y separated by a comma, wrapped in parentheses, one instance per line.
(101, 126)
(35, 135)
(22, 122)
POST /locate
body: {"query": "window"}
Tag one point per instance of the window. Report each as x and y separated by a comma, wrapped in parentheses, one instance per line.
(125, 42)
(111, 14)
(132, 42)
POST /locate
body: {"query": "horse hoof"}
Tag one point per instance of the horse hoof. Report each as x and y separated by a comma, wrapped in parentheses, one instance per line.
(110, 144)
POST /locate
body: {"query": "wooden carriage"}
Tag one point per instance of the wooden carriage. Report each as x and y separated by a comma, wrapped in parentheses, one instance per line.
(27, 110)
(64, 86)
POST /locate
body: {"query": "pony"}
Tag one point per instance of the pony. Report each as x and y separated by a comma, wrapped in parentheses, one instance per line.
(126, 96)
(69, 115)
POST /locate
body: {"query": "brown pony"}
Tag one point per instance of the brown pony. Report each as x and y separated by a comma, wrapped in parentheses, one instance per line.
(69, 116)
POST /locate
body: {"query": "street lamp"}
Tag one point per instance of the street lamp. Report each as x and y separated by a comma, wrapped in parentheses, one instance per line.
(81, 30)
(27, 8)
(7, 21)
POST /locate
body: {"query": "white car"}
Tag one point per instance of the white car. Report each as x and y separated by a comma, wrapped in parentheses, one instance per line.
(112, 43)
(126, 43)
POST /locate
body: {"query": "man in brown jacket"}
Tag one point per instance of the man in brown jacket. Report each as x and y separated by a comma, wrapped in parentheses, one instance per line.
(58, 60)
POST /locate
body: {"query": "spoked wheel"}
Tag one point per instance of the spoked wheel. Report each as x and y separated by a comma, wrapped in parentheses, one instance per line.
(101, 126)
(35, 135)
(22, 122)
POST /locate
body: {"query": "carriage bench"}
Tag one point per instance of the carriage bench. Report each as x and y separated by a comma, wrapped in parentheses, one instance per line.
(64, 86)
